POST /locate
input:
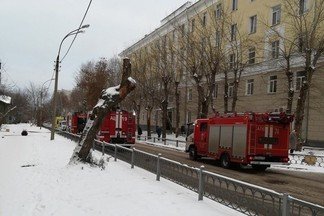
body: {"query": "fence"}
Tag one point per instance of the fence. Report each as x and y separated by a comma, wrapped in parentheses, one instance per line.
(244, 197)
(306, 159)
(163, 141)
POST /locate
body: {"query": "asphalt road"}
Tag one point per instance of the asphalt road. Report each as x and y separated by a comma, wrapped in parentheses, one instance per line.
(303, 185)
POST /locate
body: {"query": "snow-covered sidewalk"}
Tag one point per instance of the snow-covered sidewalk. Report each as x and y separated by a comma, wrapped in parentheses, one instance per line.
(36, 180)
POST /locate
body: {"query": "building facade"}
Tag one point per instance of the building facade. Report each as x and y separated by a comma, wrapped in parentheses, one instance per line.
(234, 51)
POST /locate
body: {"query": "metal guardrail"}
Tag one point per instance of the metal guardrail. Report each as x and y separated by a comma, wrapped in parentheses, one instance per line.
(241, 196)
(164, 141)
(307, 159)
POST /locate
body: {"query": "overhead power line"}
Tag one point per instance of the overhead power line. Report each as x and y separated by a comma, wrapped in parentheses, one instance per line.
(84, 16)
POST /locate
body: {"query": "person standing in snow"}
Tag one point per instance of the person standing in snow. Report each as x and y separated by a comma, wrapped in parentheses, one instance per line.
(158, 131)
(139, 132)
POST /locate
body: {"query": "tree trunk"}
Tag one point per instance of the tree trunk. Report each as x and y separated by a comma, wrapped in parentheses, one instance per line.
(148, 122)
(300, 109)
(177, 98)
(108, 100)
(201, 112)
(138, 112)
(235, 89)
(226, 93)
(204, 108)
(290, 92)
(164, 117)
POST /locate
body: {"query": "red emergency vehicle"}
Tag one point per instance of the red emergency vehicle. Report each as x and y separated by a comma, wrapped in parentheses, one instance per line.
(118, 127)
(76, 122)
(257, 139)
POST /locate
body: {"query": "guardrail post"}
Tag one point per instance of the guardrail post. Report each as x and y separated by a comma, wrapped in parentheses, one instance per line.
(154, 139)
(164, 141)
(132, 161)
(177, 143)
(145, 138)
(158, 168)
(201, 184)
(115, 152)
(285, 205)
(103, 148)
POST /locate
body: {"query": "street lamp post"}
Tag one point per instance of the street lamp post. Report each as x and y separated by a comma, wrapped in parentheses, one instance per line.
(57, 65)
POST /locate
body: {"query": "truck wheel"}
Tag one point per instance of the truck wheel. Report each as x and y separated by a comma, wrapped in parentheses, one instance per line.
(192, 153)
(225, 161)
(260, 167)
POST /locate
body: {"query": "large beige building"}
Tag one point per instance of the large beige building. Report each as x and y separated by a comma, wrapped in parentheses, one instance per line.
(250, 39)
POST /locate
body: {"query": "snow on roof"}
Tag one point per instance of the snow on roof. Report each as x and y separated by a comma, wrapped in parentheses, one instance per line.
(5, 99)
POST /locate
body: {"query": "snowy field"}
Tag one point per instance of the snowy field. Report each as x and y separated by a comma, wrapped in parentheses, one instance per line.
(36, 180)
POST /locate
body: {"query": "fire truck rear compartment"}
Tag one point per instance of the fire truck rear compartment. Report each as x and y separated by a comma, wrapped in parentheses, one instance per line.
(228, 137)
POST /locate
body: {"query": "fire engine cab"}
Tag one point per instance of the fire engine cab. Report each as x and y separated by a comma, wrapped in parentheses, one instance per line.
(257, 139)
(76, 122)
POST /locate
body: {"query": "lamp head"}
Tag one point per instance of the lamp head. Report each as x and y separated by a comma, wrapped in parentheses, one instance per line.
(85, 26)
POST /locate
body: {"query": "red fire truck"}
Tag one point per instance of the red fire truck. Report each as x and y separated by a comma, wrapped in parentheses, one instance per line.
(118, 127)
(257, 139)
(76, 122)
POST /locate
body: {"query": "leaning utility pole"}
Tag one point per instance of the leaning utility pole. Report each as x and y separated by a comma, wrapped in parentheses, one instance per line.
(54, 96)
(0, 73)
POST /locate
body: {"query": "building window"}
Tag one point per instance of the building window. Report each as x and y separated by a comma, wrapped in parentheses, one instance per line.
(182, 30)
(275, 49)
(302, 6)
(218, 12)
(249, 87)
(300, 79)
(230, 91)
(193, 25)
(276, 15)
(215, 92)
(189, 94)
(218, 38)
(204, 21)
(253, 24)
(272, 88)
(233, 32)
(231, 61)
(234, 5)
(252, 55)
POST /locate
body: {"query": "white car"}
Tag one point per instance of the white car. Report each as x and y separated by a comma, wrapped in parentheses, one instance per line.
(63, 125)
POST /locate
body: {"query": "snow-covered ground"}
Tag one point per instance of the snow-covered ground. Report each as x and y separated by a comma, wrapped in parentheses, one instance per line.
(291, 167)
(36, 180)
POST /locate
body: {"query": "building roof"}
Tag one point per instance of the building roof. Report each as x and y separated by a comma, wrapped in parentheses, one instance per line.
(5, 99)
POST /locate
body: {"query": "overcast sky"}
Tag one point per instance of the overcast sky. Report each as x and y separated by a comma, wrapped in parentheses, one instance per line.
(31, 31)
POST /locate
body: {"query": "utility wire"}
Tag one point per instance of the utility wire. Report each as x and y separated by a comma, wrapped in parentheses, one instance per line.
(77, 32)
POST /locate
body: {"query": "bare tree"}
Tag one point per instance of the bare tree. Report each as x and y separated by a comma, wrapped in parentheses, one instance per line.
(163, 72)
(92, 78)
(107, 101)
(303, 40)
(20, 100)
(309, 25)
